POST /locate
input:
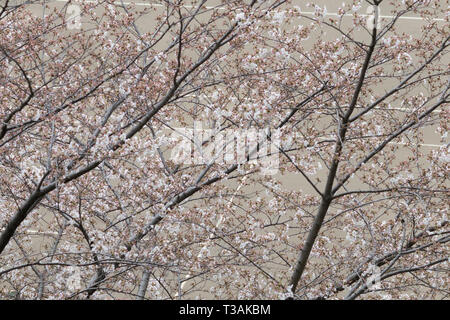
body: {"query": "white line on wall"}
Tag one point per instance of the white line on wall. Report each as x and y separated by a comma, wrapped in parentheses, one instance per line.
(334, 14)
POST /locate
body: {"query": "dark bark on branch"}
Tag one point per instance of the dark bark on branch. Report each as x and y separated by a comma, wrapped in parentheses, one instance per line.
(328, 192)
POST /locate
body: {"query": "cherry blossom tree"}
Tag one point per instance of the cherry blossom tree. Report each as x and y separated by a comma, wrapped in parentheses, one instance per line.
(306, 171)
